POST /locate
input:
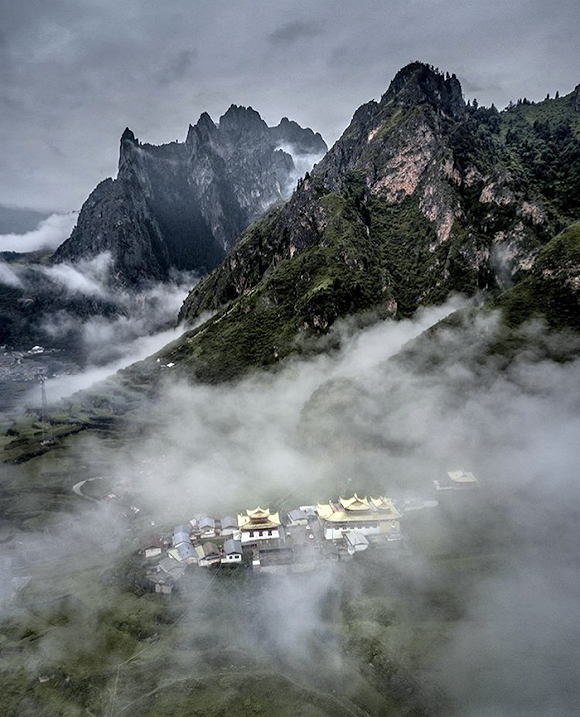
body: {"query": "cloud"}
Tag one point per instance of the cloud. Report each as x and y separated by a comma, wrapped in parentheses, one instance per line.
(8, 276)
(50, 234)
(302, 163)
(88, 276)
(178, 66)
(291, 32)
(133, 327)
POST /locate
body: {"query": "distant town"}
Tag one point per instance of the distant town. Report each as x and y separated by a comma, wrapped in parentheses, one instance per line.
(268, 541)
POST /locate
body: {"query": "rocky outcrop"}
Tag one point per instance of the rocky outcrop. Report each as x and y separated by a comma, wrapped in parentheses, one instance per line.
(180, 206)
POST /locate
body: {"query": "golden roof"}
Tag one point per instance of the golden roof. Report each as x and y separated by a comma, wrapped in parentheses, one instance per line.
(378, 509)
(385, 504)
(355, 503)
(324, 510)
(258, 519)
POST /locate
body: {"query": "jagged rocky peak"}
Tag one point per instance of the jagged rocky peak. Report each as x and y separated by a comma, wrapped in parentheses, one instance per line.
(240, 119)
(128, 136)
(418, 82)
(182, 205)
(292, 133)
(129, 143)
(203, 130)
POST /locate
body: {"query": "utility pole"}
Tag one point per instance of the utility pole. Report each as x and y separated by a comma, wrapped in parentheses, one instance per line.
(47, 436)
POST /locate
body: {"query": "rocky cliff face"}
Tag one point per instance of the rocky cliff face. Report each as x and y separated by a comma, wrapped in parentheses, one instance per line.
(181, 206)
(423, 195)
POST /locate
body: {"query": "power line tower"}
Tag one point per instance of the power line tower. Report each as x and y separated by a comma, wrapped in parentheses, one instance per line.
(47, 436)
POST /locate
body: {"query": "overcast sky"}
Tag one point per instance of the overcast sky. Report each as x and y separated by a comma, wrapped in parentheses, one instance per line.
(74, 73)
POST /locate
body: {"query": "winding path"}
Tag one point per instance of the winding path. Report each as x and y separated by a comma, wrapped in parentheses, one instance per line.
(78, 488)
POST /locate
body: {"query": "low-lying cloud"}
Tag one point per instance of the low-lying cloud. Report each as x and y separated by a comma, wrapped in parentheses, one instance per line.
(50, 234)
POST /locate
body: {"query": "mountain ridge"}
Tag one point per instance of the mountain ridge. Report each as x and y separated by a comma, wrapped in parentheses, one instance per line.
(423, 195)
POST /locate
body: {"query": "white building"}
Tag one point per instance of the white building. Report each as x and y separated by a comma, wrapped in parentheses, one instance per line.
(297, 517)
(152, 551)
(457, 480)
(232, 552)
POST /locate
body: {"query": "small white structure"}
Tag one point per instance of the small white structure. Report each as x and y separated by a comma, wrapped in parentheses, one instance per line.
(163, 588)
(232, 551)
(457, 480)
(152, 552)
(355, 541)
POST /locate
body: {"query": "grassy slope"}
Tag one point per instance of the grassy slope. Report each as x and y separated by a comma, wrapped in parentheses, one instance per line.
(552, 289)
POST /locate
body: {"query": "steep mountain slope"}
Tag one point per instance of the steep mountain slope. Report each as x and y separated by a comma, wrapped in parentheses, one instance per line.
(422, 196)
(180, 206)
(552, 288)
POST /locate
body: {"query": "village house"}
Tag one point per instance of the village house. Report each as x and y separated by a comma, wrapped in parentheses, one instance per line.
(207, 554)
(171, 568)
(179, 537)
(187, 553)
(369, 516)
(259, 524)
(232, 552)
(206, 527)
(229, 525)
(152, 546)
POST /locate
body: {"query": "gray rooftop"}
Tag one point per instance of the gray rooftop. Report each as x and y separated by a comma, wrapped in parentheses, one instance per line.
(232, 546)
(180, 537)
(210, 549)
(205, 522)
(186, 551)
(297, 514)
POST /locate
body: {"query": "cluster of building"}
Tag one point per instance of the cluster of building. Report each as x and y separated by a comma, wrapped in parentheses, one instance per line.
(295, 541)
(266, 541)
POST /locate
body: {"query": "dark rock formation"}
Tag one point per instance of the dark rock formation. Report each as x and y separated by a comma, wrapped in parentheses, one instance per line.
(180, 206)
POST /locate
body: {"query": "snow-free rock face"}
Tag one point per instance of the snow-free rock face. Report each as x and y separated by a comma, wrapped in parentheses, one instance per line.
(180, 206)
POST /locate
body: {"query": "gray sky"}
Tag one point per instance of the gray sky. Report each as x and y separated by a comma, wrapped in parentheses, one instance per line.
(74, 73)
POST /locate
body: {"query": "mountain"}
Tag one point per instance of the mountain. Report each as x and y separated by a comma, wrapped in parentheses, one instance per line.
(422, 196)
(181, 206)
